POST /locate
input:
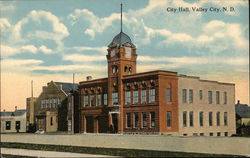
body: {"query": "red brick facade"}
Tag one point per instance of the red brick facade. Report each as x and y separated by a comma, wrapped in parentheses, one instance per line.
(126, 101)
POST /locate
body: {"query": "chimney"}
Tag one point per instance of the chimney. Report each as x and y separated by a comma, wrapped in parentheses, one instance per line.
(15, 108)
(89, 78)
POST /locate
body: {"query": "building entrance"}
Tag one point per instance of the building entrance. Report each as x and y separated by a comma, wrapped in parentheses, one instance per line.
(115, 123)
(90, 124)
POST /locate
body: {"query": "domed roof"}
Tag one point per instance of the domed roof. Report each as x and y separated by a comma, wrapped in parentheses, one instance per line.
(121, 39)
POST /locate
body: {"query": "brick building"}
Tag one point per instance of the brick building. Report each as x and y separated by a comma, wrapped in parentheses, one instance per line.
(152, 102)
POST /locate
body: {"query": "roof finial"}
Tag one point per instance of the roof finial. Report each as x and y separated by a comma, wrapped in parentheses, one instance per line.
(121, 17)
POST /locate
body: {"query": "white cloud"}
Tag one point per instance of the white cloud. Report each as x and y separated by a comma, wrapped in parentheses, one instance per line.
(57, 33)
(10, 51)
(19, 65)
(29, 48)
(102, 49)
(195, 60)
(57, 26)
(84, 58)
(45, 50)
(4, 24)
(69, 68)
(7, 50)
(96, 24)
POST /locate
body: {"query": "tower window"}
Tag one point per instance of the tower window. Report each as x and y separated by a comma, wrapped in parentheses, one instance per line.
(115, 69)
(129, 69)
(125, 69)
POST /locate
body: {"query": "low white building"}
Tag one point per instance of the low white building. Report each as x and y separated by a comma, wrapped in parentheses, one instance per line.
(12, 122)
(205, 107)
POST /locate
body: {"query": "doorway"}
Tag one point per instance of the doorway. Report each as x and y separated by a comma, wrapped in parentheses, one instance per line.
(115, 122)
(90, 124)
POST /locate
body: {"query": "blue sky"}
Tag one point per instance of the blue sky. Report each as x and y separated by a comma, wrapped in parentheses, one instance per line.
(51, 39)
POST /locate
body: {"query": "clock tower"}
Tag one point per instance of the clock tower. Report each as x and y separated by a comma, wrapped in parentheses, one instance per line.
(121, 60)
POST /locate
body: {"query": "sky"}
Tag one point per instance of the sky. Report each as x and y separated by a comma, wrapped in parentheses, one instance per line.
(44, 40)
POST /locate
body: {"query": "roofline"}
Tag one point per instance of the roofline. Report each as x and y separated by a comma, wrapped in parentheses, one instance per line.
(150, 73)
(202, 80)
(99, 79)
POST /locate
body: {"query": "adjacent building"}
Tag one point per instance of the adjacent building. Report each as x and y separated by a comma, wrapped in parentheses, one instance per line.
(51, 109)
(12, 122)
(242, 119)
(205, 107)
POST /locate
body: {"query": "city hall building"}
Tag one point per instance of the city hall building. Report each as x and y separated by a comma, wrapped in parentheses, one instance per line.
(153, 102)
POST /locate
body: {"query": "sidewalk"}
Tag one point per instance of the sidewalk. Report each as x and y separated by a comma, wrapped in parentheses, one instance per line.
(39, 153)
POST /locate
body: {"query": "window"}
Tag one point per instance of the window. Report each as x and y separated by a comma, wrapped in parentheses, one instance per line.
(128, 97)
(105, 99)
(200, 94)
(152, 119)
(114, 98)
(226, 134)
(151, 95)
(185, 134)
(47, 103)
(51, 102)
(136, 120)
(218, 133)
(99, 98)
(54, 103)
(86, 100)
(169, 96)
(210, 134)
(210, 99)
(135, 97)
(201, 134)
(190, 96)
(184, 115)
(225, 118)
(184, 96)
(7, 125)
(218, 118)
(144, 119)
(195, 134)
(225, 97)
(169, 118)
(128, 117)
(201, 118)
(191, 119)
(217, 97)
(92, 100)
(42, 104)
(210, 119)
(143, 96)
(18, 125)
(51, 121)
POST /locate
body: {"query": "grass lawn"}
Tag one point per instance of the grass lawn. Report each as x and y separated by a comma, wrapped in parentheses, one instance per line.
(109, 151)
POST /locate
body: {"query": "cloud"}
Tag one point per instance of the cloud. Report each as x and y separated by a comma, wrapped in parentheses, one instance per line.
(4, 24)
(96, 24)
(45, 50)
(84, 58)
(69, 68)
(102, 49)
(29, 48)
(5, 8)
(181, 61)
(19, 65)
(7, 51)
(57, 31)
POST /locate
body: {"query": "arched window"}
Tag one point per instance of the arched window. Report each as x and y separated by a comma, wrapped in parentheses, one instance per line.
(125, 69)
(129, 69)
(114, 69)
